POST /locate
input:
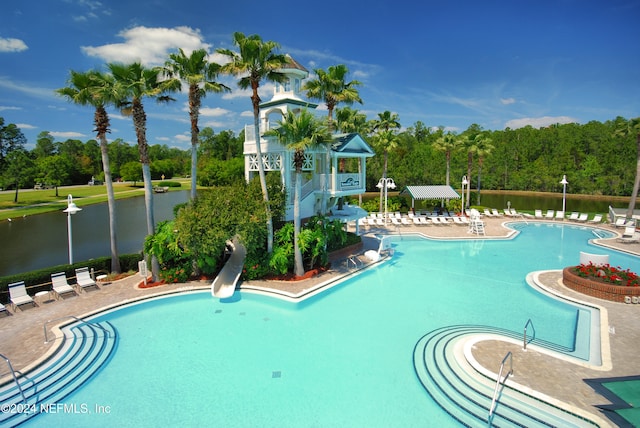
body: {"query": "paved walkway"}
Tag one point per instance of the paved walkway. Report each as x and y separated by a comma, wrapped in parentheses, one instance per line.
(22, 336)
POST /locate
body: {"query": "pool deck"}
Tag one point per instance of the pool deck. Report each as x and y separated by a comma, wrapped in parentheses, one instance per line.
(556, 377)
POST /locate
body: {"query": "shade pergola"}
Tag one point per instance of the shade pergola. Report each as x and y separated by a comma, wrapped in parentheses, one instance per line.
(429, 192)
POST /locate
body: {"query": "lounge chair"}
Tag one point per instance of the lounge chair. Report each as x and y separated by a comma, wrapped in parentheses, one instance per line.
(19, 295)
(629, 231)
(560, 215)
(574, 216)
(395, 221)
(83, 278)
(4, 310)
(629, 235)
(60, 284)
(405, 221)
(549, 215)
(487, 213)
(507, 212)
(583, 217)
(458, 220)
(495, 212)
(596, 219)
(538, 214)
(622, 222)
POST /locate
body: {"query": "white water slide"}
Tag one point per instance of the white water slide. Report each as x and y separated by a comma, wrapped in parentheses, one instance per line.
(225, 283)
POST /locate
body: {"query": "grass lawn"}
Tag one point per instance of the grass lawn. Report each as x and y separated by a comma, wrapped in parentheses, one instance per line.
(41, 201)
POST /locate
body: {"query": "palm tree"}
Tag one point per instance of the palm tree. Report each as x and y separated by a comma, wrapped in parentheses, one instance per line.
(386, 139)
(138, 82)
(632, 127)
(466, 141)
(482, 147)
(256, 61)
(199, 74)
(97, 89)
(299, 133)
(349, 120)
(330, 87)
(447, 143)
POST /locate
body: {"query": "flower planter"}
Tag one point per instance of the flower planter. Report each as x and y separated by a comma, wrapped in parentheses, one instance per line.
(601, 290)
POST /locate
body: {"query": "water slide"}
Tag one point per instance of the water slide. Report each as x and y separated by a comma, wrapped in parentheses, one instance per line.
(225, 283)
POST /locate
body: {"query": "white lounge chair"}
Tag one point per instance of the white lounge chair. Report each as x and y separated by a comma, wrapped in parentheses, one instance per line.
(583, 217)
(405, 221)
(4, 310)
(19, 295)
(549, 215)
(560, 215)
(622, 222)
(596, 219)
(487, 213)
(496, 213)
(60, 284)
(83, 278)
(574, 216)
(458, 220)
(629, 231)
(395, 221)
(538, 214)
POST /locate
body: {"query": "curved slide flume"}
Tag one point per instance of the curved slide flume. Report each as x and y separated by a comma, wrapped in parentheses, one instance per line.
(225, 283)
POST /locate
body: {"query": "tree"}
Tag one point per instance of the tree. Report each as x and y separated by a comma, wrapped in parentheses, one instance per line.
(632, 127)
(386, 138)
(299, 133)
(256, 61)
(138, 82)
(98, 90)
(131, 171)
(447, 143)
(20, 169)
(482, 148)
(45, 145)
(11, 138)
(199, 74)
(467, 142)
(53, 170)
(349, 120)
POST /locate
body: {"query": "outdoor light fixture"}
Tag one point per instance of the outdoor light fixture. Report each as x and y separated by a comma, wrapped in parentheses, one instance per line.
(386, 182)
(71, 209)
(464, 184)
(564, 183)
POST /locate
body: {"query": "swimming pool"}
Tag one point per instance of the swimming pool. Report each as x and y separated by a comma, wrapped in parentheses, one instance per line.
(342, 358)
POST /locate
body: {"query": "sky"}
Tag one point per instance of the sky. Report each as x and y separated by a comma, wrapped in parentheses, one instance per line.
(494, 63)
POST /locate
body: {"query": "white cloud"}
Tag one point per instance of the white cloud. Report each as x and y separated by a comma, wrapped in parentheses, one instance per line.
(182, 137)
(150, 46)
(3, 108)
(26, 88)
(12, 45)
(539, 122)
(67, 134)
(214, 112)
(507, 101)
(25, 126)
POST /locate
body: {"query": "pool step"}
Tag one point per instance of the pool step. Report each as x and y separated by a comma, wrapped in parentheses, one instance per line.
(466, 395)
(86, 348)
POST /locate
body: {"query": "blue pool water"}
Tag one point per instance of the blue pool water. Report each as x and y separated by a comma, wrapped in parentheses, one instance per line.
(342, 358)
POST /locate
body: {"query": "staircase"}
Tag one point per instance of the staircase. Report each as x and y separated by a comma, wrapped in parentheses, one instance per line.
(466, 395)
(86, 348)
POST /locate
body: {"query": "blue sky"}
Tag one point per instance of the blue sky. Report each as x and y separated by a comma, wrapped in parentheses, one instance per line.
(451, 64)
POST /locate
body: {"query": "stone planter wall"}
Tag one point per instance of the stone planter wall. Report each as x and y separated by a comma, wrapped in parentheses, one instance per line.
(600, 290)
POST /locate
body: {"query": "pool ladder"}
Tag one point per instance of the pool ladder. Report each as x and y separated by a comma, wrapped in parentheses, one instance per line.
(15, 379)
(499, 381)
(524, 336)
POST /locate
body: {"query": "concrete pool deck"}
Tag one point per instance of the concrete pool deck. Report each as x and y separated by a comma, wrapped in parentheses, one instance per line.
(561, 379)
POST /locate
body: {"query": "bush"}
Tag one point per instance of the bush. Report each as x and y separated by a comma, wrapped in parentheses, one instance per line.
(170, 184)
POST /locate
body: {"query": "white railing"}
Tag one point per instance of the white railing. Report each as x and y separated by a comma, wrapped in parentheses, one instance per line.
(499, 381)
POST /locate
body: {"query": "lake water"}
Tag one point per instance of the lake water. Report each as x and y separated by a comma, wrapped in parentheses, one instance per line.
(39, 241)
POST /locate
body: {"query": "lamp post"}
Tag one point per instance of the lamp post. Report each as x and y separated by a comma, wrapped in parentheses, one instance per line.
(71, 209)
(385, 183)
(564, 183)
(464, 184)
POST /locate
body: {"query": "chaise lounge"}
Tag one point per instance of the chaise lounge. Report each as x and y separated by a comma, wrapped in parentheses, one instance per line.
(60, 285)
(19, 295)
(83, 278)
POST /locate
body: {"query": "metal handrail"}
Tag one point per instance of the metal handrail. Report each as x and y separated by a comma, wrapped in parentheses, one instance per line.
(509, 356)
(354, 260)
(44, 326)
(15, 379)
(524, 336)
